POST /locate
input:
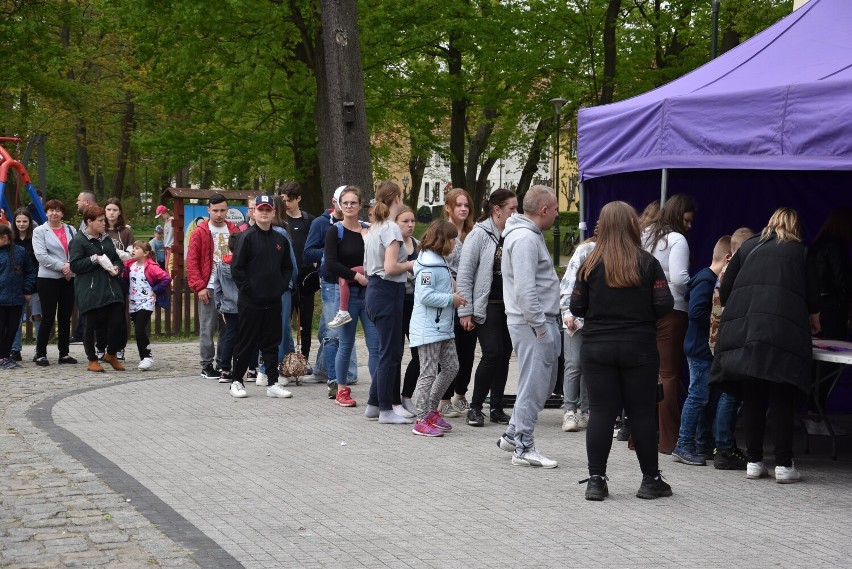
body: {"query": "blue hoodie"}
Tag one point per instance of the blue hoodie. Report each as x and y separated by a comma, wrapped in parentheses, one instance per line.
(699, 295)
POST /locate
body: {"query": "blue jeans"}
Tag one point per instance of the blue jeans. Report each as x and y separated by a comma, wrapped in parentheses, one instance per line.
(346, 343)
(726, 420)
(34, 309)
(696, 400)
(329, 338)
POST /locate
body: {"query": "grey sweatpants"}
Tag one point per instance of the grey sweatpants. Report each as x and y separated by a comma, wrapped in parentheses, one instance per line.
(432, 384)
(537, 361)
(210, 323)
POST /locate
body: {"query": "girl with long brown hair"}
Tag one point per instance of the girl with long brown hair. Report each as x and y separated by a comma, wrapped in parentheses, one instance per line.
(621, 291)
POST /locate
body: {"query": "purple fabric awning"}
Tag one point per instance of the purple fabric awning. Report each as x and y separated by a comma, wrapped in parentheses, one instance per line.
(780, 101)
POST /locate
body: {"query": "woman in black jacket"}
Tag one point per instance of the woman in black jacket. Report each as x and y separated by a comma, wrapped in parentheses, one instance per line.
(621, 291)
(771, 299)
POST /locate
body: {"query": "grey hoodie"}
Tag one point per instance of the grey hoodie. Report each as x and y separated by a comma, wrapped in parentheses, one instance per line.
(533, 297)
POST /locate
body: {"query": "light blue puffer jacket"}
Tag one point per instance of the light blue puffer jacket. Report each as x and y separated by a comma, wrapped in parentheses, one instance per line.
(432, 318)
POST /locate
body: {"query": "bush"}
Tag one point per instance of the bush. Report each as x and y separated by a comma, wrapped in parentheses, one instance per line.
(569, 219)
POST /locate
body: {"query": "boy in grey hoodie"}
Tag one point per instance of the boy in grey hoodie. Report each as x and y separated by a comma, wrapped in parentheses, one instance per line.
(532, 313)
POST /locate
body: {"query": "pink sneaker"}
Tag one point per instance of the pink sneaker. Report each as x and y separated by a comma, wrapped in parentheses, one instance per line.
(426, 429)
(435, 419)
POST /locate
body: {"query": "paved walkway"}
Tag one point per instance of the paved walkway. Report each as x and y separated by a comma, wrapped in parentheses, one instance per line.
(164, 469)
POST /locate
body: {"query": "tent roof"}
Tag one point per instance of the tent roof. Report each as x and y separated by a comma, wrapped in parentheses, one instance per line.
(780, 101)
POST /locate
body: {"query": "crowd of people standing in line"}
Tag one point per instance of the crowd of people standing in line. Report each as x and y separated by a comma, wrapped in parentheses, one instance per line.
(625, 316)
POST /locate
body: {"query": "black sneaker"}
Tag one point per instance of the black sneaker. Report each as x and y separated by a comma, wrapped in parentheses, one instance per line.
(75, 340)
(332, 390)
(596, 488)
(653, 487)
(42, 361)
(225, 376)
(66, 359)
(251, 375)
(15, 356)
(499, 416)
(209, 372)
(475, 418)
(731, 459)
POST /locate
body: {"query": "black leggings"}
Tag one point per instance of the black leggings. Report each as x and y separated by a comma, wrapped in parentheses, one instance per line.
(621, 375)
(55, 293)
(141, 319)
(493, 368)
(10, 320)
(412, 371)
(466, 350)
(305, 302)
(782, 403)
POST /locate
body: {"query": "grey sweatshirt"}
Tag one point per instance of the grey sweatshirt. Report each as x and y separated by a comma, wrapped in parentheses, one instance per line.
(532, 297)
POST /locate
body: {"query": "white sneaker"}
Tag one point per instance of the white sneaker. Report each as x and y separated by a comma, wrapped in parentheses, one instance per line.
(756, 470)
(460, 404)
(787, 475)
(448, 410)
(238, 390)
(341, 318)
(570, 423)
(533, 458)
(146, 363)
(409, 406)
(277, 391)
(262, 379)
(583, 420)
(284, 381)
(402, 412)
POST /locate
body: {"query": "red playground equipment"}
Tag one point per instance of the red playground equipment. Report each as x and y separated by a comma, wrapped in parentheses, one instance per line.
(7, 163)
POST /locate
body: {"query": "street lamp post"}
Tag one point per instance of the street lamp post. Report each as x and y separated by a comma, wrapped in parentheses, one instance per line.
(557, 103)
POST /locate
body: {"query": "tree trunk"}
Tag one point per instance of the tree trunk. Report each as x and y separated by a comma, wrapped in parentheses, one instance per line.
(458, 115)
(341, 114)
(543, 130)
(417, 161)
(475, 151)
(610, 45)
(128, 123)
(83, 168)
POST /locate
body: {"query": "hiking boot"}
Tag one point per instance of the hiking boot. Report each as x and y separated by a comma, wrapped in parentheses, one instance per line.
(499, 416)
(653, 487)
(112, 360)
(731, 459)
(596, 487)
(687, 456)
(475, 418)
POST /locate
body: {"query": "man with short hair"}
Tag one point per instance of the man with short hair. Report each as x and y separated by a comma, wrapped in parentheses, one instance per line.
(330, 294)
(262, 269)
(298, 226)
(208, 243)
(250, 208)
(531, 297)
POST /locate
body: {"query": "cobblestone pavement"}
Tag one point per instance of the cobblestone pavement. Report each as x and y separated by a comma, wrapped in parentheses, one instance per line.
(164, 469)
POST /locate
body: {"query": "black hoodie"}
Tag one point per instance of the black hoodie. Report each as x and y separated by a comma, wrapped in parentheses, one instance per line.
(261, 266)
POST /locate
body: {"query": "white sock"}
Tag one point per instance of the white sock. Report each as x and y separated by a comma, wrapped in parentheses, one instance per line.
(391, 418)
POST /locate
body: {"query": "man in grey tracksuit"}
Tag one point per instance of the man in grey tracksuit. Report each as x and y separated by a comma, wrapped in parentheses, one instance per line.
(532, 312)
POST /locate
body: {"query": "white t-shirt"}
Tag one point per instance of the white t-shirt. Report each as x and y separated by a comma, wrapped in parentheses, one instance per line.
(220, 249)
(380, 238)
(141, 295)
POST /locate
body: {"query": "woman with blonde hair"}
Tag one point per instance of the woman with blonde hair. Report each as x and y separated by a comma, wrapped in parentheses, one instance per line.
(386, 266)
(771, 299)
(457, 209)
(621, 291)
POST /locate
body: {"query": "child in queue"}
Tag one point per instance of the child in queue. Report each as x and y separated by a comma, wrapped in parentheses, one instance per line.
(226, 295)
(431, 329)
(149, 286)
(17, 283)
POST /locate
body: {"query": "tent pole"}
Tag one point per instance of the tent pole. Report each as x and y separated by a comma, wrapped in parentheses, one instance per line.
(582, 208)
(664, 187)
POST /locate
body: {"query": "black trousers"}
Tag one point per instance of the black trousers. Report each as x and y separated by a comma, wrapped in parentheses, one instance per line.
(109, 322)
(466, 350)
(782, 406)
(621, 375)
(412, 370)
(54, 294)
(493, 368)
(305, 302)
(141, 319)
(10, 320)
(260, 330)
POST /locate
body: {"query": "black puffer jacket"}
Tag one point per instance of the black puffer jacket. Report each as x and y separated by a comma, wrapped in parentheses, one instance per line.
(765, 332)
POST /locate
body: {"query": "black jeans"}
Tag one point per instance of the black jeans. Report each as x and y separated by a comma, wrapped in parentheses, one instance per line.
(259, 329)
(55, 293)
(782, 405)
(412, 371)
(10, 320)
(384, 307)
(466, 350)
(229, 340)
(109, 323)
(305, 302)
(141, 319)
(621, 375)
(493, 368)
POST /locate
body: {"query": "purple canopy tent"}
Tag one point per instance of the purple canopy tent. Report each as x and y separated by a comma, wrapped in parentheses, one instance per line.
(768, 123)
